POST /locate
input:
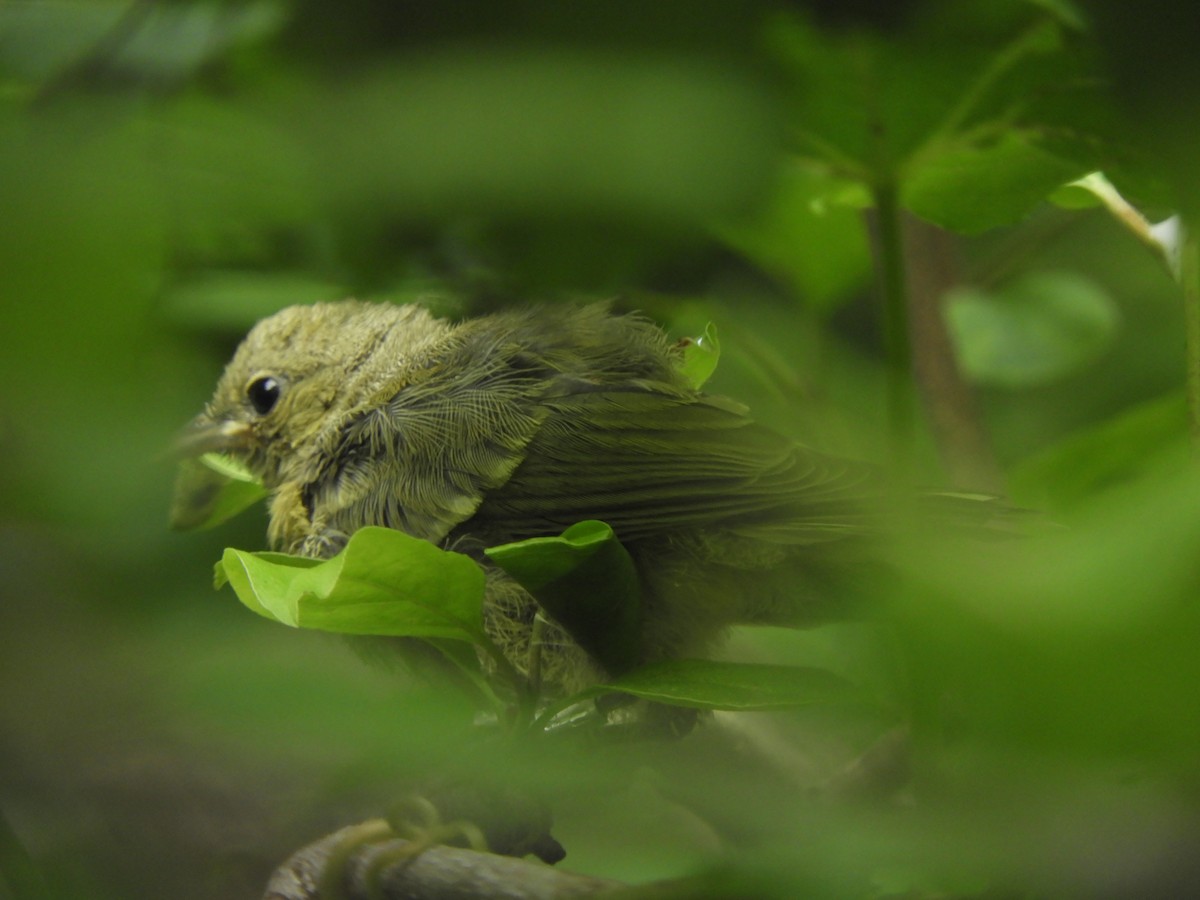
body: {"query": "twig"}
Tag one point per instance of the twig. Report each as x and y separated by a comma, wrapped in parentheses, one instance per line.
(436, 872)
(1189, 279)
(893, 290)
(950, 405)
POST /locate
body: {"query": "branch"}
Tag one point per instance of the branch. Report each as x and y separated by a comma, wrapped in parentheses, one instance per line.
(436, 872)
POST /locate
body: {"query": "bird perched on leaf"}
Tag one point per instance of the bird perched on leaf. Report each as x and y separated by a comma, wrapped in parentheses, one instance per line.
(521, 424)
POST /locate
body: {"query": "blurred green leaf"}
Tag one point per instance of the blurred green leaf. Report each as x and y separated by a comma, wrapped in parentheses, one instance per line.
(660, 140)
(700, 356)
(586, 581)
(810, 234)
(710, 684)
(1110, 453)
(36, 39)
(382, 582)
(233, 301)
(970, 188)
(1077, 639)
(1038, 329)
(156, 41)
(210, 490)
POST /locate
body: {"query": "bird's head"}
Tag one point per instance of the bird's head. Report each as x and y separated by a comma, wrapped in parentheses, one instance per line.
(296, 374)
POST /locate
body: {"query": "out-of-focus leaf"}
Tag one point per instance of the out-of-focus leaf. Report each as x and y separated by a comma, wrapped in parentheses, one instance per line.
(382, 582)
(233, 301)
(710, 684)
(662, 141)
(810, 234)
(155, 41)
(1040, 328)
(700, 356)
(211, 490)
(1109, 454)
(969, 189)
(953, 116)
(234, 178)
(176, 39)
(586, 580)
(36, 39)
(1082, 639)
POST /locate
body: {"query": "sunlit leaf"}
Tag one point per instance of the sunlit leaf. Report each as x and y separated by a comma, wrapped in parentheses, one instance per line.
(383, 582)
(700, 356)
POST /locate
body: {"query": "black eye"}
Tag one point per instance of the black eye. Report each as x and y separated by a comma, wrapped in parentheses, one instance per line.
(264, 394)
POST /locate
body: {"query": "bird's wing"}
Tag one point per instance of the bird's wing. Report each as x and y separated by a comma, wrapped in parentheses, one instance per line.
(649, 462)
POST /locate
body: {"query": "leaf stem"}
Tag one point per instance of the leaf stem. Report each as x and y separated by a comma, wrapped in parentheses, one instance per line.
(893, 290)
(1189, 278)
(1129, 218)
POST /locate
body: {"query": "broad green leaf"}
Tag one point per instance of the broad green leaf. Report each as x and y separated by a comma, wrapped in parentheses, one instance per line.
(1040, 328)
(586, 581)
(1112, 453)
(700, 356)
(810, 235)
(383, 582)
(970, 188)
(709, 684)
(211, 490)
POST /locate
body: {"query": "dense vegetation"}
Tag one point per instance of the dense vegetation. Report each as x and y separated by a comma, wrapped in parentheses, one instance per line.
(897, 222)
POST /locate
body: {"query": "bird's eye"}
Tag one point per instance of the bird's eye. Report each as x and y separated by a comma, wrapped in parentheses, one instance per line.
(264, 393)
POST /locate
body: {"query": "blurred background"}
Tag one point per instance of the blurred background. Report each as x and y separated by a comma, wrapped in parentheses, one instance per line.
(173, 171)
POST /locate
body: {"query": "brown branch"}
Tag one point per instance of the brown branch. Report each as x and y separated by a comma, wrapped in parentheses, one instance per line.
(436, 872)
(949, 403)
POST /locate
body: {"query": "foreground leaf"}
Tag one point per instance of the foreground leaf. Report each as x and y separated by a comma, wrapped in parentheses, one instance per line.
(383, 582)
(709, 684)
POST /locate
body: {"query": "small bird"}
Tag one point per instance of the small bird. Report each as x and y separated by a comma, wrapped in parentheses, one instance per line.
(522, 423)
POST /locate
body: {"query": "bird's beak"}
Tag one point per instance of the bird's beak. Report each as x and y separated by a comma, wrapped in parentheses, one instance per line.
(204, 435)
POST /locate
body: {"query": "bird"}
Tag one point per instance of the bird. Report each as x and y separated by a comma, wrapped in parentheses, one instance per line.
(520, 423)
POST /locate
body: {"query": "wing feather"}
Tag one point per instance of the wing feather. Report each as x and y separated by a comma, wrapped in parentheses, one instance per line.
(648, 462)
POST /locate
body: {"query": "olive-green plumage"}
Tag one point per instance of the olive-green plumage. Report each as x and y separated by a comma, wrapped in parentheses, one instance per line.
(520, 424)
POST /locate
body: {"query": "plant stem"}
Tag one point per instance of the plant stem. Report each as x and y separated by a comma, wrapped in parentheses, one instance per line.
(1189, 279)
(893, 291)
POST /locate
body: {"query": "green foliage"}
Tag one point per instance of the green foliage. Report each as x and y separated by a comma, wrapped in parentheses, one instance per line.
(706, 684)
(175, 171)
(1035, 330)
(382, 582)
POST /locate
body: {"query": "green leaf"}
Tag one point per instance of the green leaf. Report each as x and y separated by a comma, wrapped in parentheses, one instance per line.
(708, 684)
(586, 581)
(700, 356)
(1040, 328)
(969, 188)
(809, 209)
(383, 582)
(211, 490)
(1114, 452)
